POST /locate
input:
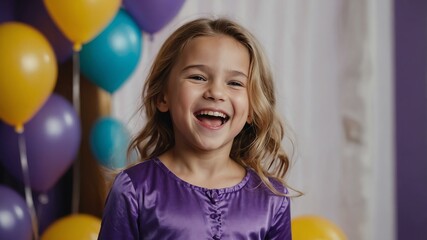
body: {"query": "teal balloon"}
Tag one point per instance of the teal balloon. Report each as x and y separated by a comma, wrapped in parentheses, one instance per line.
(110, 58)
(109, 140)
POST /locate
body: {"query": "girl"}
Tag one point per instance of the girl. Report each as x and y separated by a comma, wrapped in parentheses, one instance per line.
(211, 128)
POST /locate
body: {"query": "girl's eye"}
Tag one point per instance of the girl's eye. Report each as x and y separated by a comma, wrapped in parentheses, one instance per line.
(236, 83)
(198, 78)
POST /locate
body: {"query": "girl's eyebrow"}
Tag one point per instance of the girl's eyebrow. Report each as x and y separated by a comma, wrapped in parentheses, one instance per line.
(205, 68)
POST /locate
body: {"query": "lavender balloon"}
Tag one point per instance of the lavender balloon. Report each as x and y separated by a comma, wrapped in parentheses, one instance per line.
(52, 139)
(53, 204)
(152, 15)
(50, 205)
(15, 219)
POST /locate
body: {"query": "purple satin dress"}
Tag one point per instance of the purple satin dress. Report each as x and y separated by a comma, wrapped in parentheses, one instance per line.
(148, 201)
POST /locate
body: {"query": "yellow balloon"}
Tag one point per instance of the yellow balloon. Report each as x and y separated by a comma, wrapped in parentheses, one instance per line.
(28, 72)
(82, 20)
(310, 227)
(74, 227)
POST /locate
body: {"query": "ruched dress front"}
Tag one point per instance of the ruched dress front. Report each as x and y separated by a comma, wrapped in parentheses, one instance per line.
(147, 201)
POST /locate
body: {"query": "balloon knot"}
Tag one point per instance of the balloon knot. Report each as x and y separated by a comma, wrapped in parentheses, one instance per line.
(19, 128)
(77, 47)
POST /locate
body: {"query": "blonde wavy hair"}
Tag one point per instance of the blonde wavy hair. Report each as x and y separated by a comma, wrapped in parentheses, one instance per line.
(258, 145)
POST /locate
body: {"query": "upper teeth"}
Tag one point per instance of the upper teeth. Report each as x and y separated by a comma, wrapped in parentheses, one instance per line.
(212, 113)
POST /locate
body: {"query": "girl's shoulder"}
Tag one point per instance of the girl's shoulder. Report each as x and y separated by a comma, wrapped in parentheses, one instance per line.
(279, 185)
(143, 165)
(276, 183)
(141, 171)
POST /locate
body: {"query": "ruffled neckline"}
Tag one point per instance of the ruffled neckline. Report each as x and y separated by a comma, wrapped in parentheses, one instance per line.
(234, 188)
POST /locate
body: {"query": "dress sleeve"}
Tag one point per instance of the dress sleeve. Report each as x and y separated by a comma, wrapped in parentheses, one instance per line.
(281, 228)
(120, 216)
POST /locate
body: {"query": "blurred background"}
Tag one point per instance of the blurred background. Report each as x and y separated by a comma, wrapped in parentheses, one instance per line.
(350, 81)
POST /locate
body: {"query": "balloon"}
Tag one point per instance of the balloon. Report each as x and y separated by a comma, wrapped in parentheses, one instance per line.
(112, 56)
(7, 9)
(72, 227)
(108, 141)
(152, 16)
(310, 227)
(50, 205)
(28, 72)
(34, 13)
(53, 204)
(52, 140)
(82, 20)
(15, 219)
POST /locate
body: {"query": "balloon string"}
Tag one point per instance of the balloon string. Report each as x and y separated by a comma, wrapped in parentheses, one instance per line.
(76, 103)
(76, 82)
(28, 192)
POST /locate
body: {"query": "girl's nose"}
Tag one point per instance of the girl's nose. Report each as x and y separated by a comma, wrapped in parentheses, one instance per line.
(215, 91)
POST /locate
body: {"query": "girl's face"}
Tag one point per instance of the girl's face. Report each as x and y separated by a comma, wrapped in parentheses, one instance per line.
(207, 93)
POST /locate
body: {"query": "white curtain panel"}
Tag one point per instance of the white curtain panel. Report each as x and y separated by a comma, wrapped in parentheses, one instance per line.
(332, 64)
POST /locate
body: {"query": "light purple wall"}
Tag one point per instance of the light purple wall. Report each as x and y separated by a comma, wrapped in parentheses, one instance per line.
(411, 117)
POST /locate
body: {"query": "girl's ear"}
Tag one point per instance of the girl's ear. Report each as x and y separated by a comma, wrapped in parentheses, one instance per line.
(162, 103)
(249, 119)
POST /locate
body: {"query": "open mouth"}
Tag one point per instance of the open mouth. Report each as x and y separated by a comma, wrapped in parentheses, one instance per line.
(212, 118)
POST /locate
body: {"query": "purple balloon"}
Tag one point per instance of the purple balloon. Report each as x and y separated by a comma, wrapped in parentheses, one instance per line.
(53, 204)
(34, 13)
(7, 10)
(52, 139)
(152, 15)
(15, 219)
(49, 206)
